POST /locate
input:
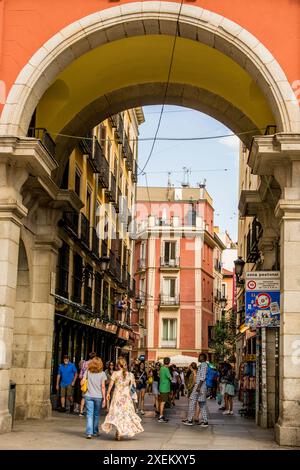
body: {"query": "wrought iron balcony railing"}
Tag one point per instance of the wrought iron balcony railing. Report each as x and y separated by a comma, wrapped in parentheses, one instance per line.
(167, 300)
(169, 263)
(45, 138)
(85, 230)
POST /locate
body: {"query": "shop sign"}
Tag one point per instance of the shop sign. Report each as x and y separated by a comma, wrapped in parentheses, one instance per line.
(124, 334)
(262, 302)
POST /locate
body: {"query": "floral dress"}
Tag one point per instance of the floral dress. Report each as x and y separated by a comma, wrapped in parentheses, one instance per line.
(121, 412)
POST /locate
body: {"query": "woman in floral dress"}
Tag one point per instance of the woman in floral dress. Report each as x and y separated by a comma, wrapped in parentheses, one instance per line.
(121, 412)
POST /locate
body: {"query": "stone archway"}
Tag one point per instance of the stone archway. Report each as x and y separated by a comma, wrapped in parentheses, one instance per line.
(276, 155)
(148, 19)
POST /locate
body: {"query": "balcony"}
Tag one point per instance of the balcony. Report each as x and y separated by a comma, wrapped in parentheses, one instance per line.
(85, 230)
(134, 174)
(118, 125)
(132, 290)
(128, 154)
(86, 145)
(70, 222)
(44, 137)
(141, 264)
(218, 265)
(101, 165)
(112, 264)
(111, 193)
(166, 301)
(118, 271)
(253, 238)
(169, 264)
(124, 277)
(168, 343)
(218, 295)
(95, 243)
(104, 249)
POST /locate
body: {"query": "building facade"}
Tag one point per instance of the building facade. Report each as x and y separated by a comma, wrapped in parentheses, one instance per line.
(174, 270)
(95, 260)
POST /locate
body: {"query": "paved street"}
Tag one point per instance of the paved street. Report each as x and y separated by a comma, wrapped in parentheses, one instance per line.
(66, 432)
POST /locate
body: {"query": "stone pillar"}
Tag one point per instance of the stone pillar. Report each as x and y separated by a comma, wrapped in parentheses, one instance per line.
(11, 213)
(288, 426)
(279, 155)
(41, 326)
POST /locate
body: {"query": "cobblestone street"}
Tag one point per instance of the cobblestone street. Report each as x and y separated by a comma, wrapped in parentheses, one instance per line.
(66, 432)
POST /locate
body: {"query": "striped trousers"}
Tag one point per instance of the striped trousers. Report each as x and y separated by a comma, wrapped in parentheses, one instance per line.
(194, 398)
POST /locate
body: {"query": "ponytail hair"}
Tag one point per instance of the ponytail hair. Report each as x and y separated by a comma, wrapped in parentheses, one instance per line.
(123, 365)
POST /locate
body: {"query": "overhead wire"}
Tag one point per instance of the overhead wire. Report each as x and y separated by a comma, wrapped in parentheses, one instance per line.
(166, 89)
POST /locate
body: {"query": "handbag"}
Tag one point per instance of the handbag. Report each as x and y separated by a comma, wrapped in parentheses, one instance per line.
(84, 386)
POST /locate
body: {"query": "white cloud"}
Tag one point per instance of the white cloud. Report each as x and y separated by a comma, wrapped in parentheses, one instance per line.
(232, 141)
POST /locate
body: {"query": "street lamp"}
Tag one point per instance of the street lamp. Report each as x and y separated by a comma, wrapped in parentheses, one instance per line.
(104, 264)
(239, 267)
(138, 303)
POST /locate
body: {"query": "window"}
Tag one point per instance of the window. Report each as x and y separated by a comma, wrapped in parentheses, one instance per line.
(108, 150)
(224, 293)
(88, 285)
(103, 138)
(169, 253)
(77, 183)
(142, 293)
(143, 254)
(63, 271)
(88, 203)
(169, 333)
(169, 294)
(97, 302)
(77, 278)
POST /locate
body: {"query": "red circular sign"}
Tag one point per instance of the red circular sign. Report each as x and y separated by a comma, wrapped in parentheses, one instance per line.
(251, 285)
(263, 300)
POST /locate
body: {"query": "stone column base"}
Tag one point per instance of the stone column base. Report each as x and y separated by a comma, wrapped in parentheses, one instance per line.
(5, 422)
(287, 435)
(40, 410)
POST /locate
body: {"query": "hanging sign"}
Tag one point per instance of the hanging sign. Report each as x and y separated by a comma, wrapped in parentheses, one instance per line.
(262, 301)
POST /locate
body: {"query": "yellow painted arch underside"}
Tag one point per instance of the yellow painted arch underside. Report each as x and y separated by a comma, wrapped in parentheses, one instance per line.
(146, 59)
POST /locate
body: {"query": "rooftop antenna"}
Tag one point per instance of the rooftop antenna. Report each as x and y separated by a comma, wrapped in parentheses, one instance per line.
(202, 184)
(169, 186)
(186, 177)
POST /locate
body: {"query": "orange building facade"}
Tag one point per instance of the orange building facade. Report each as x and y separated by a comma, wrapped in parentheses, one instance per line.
(174, 270)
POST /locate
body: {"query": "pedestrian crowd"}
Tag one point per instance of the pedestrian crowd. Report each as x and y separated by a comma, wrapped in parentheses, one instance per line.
(121, 390)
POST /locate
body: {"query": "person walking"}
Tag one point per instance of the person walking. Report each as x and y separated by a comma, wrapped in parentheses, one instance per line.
(141, 381)
(191, 380)
(199, 394)
(83, 366)
(94, 396)
(121, 414)
(164, 388)
(229, 391)
(109, 372)
(155, 387)
(65, 381)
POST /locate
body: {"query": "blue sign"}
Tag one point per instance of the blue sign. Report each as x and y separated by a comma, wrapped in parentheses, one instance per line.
(262, 308)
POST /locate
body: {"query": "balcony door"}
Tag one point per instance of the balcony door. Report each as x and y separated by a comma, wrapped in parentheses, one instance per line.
(169, 293)
(169, 253)
(169, 333)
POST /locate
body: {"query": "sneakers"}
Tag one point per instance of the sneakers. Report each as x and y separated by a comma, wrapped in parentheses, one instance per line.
(142, 412)
(81, 415)
(188, 422)
(231, 413)
(227, 412)
(89, 436)
(162, 419)
(204, 424)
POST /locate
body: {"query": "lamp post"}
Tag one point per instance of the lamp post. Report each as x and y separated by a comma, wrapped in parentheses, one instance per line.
(239, 264)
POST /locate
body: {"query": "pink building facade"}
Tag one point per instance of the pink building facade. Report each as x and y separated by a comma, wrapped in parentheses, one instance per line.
(174, 270)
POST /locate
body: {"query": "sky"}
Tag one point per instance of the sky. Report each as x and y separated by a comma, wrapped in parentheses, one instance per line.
(215, 161)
